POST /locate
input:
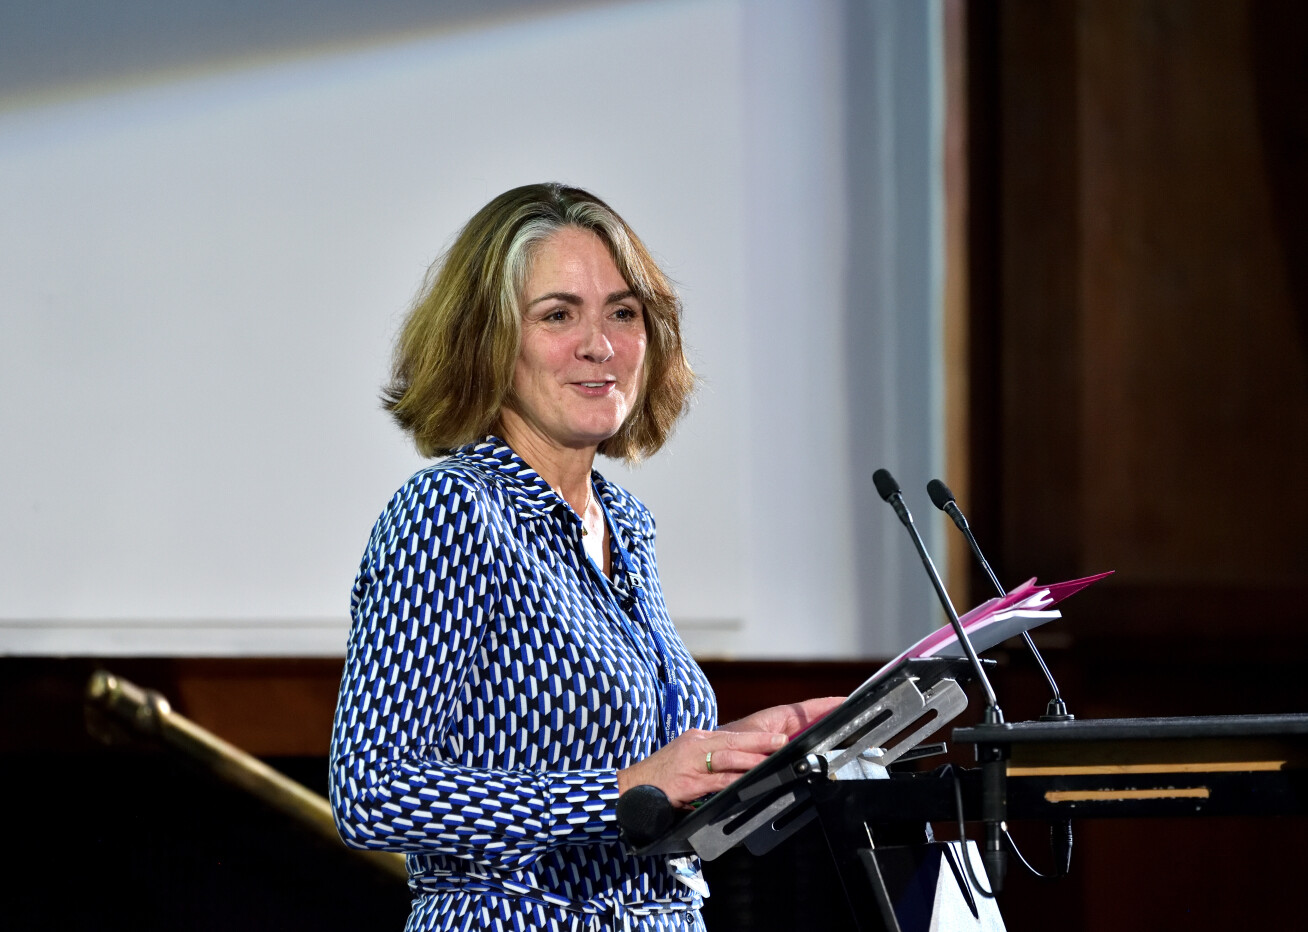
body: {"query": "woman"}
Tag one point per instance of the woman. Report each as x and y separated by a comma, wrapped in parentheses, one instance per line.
(511, 667)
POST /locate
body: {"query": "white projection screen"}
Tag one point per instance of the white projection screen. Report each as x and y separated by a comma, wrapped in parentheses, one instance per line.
(203, 264)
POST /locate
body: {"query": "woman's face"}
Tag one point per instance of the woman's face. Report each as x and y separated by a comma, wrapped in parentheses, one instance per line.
(579, 370)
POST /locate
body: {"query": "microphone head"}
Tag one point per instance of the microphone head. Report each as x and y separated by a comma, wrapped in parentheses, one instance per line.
(644, 813)
(940, 494)
(885, 484)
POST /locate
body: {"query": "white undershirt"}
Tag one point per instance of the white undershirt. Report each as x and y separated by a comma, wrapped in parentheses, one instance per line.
(594, 544)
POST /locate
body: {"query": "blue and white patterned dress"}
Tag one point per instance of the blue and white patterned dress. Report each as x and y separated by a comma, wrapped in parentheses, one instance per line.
(495, 682)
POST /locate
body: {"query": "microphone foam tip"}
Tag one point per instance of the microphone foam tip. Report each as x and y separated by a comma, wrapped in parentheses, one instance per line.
(940, 494)
(885, 483)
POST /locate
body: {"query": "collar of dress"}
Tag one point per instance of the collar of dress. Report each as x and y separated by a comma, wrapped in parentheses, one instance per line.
(532, 496)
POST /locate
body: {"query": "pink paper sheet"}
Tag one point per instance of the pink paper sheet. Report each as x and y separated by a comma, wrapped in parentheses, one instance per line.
(996, 620)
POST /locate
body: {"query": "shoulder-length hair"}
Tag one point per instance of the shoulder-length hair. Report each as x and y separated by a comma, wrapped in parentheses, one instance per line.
(456, 352)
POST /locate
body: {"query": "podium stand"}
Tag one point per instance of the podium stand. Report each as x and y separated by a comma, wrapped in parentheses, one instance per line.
(895, 875)
(896, 879)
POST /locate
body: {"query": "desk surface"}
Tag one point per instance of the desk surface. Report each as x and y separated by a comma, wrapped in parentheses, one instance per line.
(1136, 729)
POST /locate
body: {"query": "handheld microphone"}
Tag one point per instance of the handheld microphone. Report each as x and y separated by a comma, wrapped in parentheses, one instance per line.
(1060, 832)
(993, 800)
(644, 813)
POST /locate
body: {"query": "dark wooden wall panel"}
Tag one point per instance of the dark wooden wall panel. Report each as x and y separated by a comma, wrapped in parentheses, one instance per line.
(1152, 389)
(1139, 181)
(1038, 346)
(1195, 390)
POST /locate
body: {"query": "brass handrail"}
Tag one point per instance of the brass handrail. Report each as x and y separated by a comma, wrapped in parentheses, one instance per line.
(148, 712)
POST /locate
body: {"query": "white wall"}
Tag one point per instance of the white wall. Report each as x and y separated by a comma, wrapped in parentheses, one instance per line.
(201, 273)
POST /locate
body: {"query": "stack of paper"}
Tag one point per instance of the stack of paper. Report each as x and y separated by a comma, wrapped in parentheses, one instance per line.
(995, 621)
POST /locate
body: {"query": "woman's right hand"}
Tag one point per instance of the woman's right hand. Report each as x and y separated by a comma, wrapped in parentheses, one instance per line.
(684, 770)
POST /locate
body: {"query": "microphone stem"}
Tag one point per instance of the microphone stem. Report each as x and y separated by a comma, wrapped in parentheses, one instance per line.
(1026, 635)
(993, 713)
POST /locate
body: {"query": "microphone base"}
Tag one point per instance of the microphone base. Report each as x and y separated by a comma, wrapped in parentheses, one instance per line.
(1056, 711)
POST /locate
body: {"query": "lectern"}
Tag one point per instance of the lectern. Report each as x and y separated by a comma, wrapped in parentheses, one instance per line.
(842, 772)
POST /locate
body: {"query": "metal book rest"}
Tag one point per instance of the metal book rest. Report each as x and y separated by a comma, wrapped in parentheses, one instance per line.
(895, 713)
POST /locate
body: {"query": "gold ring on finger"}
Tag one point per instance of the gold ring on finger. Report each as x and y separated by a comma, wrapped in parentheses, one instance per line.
(708, 762)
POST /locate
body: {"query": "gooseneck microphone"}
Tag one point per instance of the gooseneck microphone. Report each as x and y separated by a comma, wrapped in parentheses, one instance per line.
(943, 499)
(1060, 831)
(993, 800)
(888, 489)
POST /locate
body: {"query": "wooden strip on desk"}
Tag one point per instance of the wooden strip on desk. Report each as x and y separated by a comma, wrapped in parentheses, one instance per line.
(1234, 766)
(1201, 752)
(1086, 796)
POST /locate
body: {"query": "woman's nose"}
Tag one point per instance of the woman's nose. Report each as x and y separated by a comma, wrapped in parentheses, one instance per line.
(595, 345)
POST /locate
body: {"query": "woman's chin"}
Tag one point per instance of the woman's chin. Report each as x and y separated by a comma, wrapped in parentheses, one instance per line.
(592, 432)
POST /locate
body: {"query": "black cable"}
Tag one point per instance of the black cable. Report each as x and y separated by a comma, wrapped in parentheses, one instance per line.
(967, 860)
(962, 838)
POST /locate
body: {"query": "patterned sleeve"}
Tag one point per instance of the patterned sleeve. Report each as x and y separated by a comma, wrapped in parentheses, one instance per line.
(428, 587)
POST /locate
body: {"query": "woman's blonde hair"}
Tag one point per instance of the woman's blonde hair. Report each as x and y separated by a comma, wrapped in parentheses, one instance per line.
(455, 355)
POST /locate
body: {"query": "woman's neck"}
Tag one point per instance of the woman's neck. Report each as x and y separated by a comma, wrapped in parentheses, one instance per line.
(566, 469)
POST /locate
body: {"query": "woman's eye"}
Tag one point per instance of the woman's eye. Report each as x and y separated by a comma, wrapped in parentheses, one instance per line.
(626, 313)
(560, 314)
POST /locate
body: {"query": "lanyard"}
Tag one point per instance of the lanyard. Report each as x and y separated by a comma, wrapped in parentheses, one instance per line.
(631, 591)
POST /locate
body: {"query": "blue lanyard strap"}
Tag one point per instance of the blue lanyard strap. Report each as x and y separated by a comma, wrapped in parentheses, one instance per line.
(631, 588)
(672, 702)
